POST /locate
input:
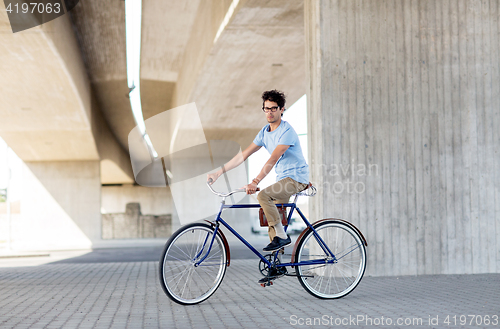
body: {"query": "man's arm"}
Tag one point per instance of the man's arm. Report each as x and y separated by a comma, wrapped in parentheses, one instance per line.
(234, 162)
(275, 156)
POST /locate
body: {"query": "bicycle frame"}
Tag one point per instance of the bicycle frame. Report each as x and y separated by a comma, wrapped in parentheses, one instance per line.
(293, 207)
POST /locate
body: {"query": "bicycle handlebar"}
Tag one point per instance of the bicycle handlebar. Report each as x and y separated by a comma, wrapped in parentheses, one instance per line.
(227, 194)
(309, 191)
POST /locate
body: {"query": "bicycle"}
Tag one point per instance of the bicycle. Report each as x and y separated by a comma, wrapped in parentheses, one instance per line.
(329, 256)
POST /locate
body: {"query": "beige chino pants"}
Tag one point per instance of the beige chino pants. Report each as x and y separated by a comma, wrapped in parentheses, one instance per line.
(277, 193)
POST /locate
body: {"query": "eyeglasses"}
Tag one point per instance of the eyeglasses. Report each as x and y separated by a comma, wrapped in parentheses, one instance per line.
(270, 109)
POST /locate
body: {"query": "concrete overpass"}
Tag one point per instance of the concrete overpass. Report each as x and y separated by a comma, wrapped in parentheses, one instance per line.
(410, 87)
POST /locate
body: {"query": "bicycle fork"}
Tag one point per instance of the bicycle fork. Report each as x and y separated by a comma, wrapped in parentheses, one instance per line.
(203, 247)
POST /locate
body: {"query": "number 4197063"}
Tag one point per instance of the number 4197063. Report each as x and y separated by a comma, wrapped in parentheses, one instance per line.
(472, 319)
(38, 6)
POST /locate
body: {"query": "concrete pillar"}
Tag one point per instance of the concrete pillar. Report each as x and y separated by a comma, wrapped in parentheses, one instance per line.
(403, 115)
(59, 207)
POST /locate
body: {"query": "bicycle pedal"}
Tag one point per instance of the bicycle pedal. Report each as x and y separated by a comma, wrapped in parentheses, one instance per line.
(266, 284)
(281, 251)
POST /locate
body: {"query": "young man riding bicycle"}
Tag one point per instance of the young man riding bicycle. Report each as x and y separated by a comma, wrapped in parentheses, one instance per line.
(282, 142)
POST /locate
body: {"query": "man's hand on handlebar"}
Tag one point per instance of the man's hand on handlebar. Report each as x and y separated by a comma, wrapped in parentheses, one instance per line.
(251, 188)
(211, 178)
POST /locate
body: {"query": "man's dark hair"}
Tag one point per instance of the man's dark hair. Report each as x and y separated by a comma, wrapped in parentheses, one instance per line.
(274, 96)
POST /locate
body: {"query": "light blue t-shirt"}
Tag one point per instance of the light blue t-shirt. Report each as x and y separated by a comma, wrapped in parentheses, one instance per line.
(292, 163)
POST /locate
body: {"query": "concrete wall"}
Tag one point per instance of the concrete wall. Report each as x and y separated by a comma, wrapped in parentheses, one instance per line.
(132, 224)
(59, 206)
(413, 88)
(153, 201)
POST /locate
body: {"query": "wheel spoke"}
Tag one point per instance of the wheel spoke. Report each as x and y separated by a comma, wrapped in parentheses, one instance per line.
(331, 280)
(184, 282)
(350, 249)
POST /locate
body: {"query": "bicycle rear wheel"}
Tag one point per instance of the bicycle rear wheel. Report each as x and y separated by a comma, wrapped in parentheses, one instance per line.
(183, 281)
(332, 280)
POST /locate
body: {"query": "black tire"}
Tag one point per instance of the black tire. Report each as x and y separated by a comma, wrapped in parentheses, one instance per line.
(335, 280)
(181, 280)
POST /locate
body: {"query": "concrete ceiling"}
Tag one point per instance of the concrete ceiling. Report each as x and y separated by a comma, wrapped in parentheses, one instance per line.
(48, 110)
(45, 103)
(100, 27)
(261, 48)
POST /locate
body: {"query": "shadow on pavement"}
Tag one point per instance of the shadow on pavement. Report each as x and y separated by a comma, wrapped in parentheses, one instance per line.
(141, 254)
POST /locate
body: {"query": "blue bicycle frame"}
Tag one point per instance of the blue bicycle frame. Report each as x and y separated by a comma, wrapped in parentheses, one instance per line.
(293, 207)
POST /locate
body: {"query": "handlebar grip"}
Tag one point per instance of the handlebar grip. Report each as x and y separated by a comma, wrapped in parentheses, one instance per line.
(210, 180)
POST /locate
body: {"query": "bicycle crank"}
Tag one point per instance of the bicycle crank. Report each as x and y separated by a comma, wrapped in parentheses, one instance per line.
(266, 284)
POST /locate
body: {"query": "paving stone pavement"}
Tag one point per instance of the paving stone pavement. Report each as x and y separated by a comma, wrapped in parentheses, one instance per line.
(128, 295)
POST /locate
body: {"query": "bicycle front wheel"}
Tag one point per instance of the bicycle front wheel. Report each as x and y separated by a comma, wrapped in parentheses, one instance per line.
(337, 279)
(181, 279)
